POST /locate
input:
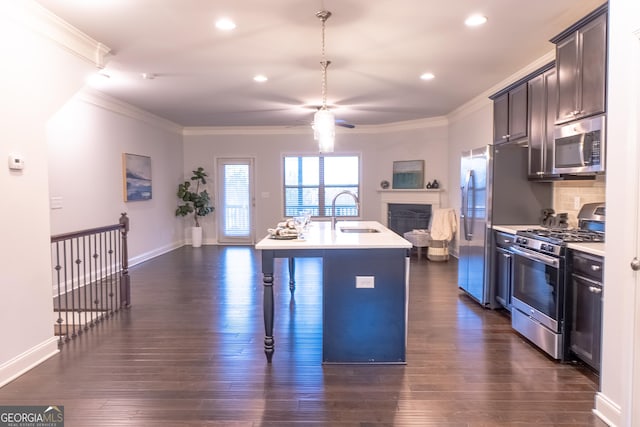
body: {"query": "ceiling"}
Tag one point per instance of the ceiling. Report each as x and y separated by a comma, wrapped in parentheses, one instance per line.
(378, 49)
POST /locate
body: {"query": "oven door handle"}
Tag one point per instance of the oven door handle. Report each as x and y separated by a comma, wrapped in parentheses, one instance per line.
(535, 256)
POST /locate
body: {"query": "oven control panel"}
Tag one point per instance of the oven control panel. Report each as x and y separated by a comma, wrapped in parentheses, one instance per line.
(538, 245)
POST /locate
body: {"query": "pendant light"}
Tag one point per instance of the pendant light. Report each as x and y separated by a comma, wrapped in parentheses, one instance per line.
(324, 122)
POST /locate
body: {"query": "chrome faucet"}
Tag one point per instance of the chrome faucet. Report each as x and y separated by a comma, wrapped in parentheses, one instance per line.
(333, 206)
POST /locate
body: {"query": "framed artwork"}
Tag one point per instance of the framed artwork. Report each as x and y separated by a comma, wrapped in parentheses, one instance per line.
(408, 174)
(136, 171)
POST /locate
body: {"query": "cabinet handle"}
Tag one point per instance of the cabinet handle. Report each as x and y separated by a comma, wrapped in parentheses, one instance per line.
(594, 290)
(575, 112)
(505, 136)
(595, 267)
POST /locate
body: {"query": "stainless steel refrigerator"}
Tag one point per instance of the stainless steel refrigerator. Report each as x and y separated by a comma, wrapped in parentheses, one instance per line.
(495, 190)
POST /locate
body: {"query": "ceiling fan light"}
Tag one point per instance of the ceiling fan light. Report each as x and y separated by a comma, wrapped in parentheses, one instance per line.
(324, 130)
(325, 145)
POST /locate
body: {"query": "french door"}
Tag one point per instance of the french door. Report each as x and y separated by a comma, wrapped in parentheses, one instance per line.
(236, 200)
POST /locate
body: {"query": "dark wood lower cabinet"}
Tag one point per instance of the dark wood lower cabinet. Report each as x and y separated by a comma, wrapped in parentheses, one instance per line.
(585, 337)
(190, 352)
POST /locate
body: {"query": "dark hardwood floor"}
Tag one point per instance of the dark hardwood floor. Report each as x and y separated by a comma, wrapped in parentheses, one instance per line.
(189, 353)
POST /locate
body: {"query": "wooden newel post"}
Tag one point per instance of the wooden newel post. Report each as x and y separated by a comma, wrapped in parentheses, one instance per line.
(125, 283)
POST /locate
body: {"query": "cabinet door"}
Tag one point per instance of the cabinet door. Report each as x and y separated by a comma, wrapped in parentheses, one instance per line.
(518, 112)
(537, 125)
(504, 277)
(586, 321)
(551, 92)
(542, 115)
(593, 49)
(501, 119)
(567, 69)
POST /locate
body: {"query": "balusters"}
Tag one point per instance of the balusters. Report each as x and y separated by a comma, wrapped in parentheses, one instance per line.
(90, 277)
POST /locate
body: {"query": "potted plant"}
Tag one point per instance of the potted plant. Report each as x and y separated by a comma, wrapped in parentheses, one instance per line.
(196, 202)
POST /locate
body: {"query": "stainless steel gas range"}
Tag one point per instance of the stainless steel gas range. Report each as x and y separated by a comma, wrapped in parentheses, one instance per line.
(539, 284)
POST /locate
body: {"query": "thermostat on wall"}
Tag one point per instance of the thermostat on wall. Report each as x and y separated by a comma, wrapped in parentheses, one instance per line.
(16, 162)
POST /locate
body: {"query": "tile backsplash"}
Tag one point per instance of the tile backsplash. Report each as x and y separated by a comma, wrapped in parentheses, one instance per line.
(568, 194)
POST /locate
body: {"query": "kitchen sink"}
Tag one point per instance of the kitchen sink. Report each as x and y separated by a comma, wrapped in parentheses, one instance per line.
(358, 230)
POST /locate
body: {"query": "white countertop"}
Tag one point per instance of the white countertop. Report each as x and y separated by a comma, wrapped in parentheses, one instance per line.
(588, 247)
(320, 236)
(513, 229)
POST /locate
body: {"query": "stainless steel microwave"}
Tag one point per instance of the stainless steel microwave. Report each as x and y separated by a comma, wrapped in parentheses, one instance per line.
(579, 147)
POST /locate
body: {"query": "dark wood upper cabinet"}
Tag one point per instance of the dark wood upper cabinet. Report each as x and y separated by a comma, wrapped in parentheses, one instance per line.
(581, 58)
(542, 115)
(510, 115)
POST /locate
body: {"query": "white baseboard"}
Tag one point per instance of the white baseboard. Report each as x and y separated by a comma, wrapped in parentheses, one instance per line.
(608, 411)
(28, 360)
(154, 253)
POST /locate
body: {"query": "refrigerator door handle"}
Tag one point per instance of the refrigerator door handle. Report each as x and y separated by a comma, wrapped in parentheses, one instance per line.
(467, 183)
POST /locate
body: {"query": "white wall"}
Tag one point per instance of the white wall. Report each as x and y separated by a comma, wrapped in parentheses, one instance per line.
(621, 328)
(470, 127)
(379, 147)
(36, 78)
(86, 140)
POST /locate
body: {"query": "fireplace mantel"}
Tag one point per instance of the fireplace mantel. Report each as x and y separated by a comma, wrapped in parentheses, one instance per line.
(427, 197)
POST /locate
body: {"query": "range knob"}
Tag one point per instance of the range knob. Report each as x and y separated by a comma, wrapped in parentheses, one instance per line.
(543, 247)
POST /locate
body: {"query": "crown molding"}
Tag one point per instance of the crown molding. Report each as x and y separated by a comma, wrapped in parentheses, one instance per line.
(106, 102)
(245, 130)
(470, 107)
(303, 130)
(31, 15)
(523, 72)
(482, 100)
(419, 124)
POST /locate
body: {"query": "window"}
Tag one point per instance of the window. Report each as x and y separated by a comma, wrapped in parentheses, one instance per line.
(311, 183)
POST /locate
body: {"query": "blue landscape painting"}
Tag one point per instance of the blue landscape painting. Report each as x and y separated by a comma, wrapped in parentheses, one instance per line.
(137, 177)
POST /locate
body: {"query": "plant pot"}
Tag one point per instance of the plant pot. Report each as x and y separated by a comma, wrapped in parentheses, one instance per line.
(196, 237)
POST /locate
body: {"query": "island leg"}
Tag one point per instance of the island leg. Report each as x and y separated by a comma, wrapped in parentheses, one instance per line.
(292, 274)
(267, 303)
(268, 315)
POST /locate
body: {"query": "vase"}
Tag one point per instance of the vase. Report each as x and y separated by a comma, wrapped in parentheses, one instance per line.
(196, 237)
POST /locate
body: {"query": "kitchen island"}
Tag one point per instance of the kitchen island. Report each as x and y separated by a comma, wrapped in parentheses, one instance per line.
(364, 289)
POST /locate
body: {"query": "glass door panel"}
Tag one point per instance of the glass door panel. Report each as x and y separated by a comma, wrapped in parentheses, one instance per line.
(236, 198)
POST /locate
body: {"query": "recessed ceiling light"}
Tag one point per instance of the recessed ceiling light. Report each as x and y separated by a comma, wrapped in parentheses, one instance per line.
(148, 76)
(260, 78)
(427, 76)
(225, 24)
(475, 20)
(98, 79)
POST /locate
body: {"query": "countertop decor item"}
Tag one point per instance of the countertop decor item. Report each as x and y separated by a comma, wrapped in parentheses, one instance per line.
(384, 184)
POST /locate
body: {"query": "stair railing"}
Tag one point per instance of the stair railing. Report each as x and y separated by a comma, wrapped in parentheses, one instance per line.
(90, 275)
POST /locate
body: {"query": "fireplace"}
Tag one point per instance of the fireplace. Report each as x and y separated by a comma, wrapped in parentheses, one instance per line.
(430, 198)
(403, 217)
